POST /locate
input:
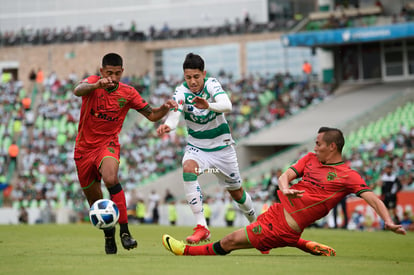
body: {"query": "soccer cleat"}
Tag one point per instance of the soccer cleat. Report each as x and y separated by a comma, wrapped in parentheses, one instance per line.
(110, 245)
(201, 233)
(172, 245)
(265, 252)
(128, 242)
(320, 249)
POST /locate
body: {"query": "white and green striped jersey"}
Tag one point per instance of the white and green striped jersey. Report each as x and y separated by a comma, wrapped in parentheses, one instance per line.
(207, 130)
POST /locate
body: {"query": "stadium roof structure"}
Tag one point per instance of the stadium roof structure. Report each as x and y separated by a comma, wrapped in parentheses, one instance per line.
(348, 35)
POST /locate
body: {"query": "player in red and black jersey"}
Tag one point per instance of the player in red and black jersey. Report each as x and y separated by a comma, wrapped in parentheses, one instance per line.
(325, 180)
(105, 104)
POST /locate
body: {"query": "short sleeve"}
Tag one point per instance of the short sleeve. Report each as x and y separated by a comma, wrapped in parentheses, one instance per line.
(299, 166)
(91, 79)
(137, 102)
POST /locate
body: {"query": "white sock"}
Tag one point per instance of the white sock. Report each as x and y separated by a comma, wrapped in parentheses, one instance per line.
(246, 206)
(195, 200)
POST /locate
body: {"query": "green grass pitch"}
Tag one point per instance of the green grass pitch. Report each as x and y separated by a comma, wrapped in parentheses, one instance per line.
(79, 249)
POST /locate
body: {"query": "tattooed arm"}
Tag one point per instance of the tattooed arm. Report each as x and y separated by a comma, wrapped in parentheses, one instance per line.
(155, 114)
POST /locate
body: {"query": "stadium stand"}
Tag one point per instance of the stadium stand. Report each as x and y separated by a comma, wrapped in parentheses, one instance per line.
(45, 174)
(107, 33)
(51, 177)
(299, 130)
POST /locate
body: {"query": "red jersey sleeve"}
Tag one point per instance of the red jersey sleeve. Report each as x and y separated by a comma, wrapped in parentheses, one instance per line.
(357, 184)
(137, 102)
(91, 79)
(299, 166)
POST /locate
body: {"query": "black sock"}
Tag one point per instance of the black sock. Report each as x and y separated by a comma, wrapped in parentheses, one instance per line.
(218, 249)
(109, 232)
(124, 228)
(115, 189)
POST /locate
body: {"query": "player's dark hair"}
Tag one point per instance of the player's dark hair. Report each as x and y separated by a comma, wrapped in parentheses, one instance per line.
(112, 59)
(193, 61)
(333, 135)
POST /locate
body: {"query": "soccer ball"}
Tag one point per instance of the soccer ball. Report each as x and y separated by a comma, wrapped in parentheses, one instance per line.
(104, 214)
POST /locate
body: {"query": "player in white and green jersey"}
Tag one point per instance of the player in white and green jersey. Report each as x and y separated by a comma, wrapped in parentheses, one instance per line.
(210, 144)
(207, 130)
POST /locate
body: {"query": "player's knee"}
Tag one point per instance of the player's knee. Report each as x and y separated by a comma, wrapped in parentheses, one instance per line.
(237, 195)
(190, 166)
(110, 180)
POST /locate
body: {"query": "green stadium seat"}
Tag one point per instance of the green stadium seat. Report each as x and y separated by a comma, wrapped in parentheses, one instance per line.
(7, 141)
(46, 95)
(16, 204)
(33, 204)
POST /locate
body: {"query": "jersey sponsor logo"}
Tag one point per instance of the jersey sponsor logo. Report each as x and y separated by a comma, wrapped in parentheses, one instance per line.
(103, 116)
(202, 119)
(112, 150)
(314, 182)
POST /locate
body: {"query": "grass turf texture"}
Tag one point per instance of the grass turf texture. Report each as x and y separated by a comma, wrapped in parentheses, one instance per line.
(79, 249)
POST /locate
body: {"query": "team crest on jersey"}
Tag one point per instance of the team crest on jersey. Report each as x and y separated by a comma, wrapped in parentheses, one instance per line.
(122, 102)
(331, 176)
(257, 230)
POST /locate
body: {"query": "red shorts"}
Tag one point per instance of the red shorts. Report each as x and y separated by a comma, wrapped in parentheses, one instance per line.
(271, 230)
(88, 162)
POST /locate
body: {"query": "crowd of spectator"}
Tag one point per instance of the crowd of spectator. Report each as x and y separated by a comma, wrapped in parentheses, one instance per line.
(29, 36)
(349, 17)
(46, 175)
(46, 172)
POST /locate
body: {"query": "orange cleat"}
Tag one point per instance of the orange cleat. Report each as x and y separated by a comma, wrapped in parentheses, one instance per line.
(320, 249)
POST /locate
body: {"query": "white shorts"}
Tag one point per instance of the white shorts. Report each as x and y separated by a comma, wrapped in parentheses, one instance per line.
(222, 163)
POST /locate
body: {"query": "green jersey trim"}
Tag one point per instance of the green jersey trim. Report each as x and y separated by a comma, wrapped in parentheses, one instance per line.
(209, 134)
(363, 191)
(219, 94)
(209, 150)
(189, 176)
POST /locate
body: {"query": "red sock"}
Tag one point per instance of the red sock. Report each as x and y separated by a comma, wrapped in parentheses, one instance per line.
(206, 249)
(301, 244)
(119, 199)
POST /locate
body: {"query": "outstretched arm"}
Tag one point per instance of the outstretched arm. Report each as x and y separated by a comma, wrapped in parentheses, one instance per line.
(155, 114)
(284, 181)
(222, 103)
(382, 211)
(170, 123)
